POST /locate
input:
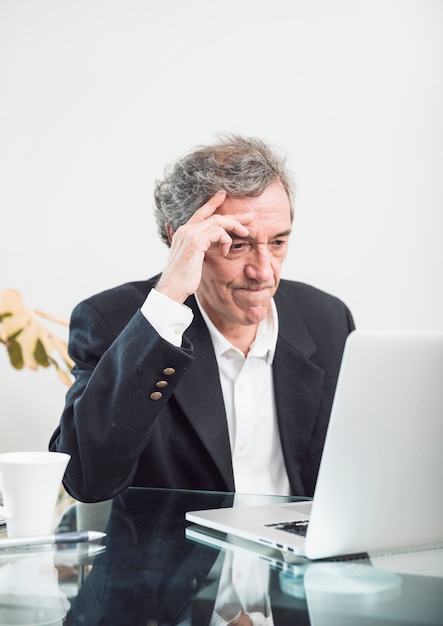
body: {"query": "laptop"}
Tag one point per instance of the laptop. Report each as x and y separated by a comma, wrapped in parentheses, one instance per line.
(379, 488)
(247, 549)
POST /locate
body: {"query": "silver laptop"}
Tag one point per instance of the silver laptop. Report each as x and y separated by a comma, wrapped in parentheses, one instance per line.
(380, 484)
(247, 549)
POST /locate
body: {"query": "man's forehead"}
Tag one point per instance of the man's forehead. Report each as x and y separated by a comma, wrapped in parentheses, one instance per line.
(272, 201)
(257, 234)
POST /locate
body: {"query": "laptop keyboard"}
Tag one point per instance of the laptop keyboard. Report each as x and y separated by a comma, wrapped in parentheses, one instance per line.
(299, 527)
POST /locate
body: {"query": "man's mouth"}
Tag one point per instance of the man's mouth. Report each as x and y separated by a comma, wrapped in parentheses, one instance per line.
(255, 287)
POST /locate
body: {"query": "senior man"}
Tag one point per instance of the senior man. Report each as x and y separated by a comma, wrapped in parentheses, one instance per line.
(215, 374)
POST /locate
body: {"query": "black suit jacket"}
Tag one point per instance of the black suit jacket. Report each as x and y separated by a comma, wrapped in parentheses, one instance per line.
(118, 435)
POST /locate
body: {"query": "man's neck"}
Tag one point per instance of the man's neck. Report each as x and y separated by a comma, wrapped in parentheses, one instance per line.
(241, 337)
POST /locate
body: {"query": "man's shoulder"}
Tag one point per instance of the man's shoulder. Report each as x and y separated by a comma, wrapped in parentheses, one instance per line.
(313, 321)
(124, 298)
(319, 310)
(304, 294)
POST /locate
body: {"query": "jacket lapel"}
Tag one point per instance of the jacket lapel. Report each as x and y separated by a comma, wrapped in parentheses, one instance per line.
(201, 398)
(298, 388)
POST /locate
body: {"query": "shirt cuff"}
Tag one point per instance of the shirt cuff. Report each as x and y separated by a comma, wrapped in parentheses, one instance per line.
(169, 318)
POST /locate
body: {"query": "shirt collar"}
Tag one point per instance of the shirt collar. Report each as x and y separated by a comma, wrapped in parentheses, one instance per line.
(265, 340)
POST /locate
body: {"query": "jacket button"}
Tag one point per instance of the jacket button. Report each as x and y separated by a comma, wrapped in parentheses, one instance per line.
(161, 383)
(168, 371)
(156, 395)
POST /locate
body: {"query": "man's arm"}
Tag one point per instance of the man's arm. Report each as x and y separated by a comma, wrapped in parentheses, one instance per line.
(113, 405)
(110, 409)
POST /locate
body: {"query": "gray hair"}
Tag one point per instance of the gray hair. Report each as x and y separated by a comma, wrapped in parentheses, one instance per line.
(241, 166)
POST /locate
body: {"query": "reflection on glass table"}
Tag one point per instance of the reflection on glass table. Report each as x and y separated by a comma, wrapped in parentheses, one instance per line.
(155, 568)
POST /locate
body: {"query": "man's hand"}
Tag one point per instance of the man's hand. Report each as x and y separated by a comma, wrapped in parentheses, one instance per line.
(182, 274)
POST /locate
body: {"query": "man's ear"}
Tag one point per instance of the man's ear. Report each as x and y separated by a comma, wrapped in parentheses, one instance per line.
(169, 231)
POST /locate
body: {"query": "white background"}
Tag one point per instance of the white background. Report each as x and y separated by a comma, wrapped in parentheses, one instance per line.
(98, 95)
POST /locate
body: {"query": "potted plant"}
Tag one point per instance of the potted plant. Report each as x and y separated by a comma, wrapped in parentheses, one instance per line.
(28, 341)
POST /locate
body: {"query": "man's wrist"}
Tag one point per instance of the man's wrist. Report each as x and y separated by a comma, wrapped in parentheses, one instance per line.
(169, 318)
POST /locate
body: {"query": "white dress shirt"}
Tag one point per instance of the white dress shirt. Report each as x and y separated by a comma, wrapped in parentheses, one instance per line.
(248, 393)
(243, 586)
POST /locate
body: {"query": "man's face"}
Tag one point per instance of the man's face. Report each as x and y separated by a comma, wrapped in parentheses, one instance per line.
(236, 290)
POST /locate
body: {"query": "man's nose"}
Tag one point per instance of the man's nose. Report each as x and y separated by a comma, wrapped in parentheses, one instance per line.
(259, 264)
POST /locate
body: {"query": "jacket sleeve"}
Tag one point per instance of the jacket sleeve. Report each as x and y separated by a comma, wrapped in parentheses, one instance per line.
(122, 382)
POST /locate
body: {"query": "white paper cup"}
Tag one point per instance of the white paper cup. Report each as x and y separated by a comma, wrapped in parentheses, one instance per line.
(31, 484)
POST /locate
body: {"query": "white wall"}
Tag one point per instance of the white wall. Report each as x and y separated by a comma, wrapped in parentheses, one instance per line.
(98, 95)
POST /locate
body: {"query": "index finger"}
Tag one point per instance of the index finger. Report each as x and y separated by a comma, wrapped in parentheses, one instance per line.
(210, 207)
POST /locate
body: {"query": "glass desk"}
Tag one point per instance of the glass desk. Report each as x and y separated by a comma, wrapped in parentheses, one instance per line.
(152, 569)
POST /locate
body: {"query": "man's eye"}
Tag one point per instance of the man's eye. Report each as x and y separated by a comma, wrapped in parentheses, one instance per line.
(278, 243)
(237, 246)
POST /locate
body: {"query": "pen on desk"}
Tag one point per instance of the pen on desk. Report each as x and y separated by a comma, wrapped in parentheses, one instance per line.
(68, 537)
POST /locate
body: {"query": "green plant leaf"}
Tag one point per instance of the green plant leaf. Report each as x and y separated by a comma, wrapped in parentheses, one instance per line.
(15, 355)
(40, 354)
(28, 342)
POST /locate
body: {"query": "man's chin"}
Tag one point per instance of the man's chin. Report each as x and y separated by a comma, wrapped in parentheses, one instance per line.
(255, 314)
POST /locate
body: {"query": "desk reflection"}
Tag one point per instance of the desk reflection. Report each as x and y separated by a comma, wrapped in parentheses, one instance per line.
(29, 591)
(151, 574)
(155, 569)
